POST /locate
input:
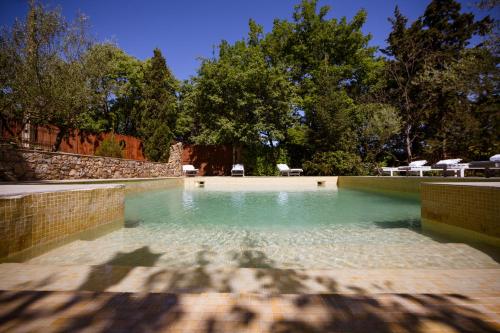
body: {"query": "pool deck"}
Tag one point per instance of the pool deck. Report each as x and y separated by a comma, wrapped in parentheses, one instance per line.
(137, 299)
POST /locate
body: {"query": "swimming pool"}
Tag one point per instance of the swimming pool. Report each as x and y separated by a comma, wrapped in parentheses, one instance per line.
(317, 229)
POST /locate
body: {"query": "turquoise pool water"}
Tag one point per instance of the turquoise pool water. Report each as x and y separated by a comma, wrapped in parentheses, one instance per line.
(261, 211)
(321, 229)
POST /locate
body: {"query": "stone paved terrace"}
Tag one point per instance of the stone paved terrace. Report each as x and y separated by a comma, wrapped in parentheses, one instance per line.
(37, 298)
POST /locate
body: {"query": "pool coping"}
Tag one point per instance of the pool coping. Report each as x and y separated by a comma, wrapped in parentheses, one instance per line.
(18, 190)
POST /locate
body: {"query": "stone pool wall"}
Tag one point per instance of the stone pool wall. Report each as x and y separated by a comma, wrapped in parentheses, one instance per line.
(36, 220)
(398, 185)
(21, 164)
(468, 210)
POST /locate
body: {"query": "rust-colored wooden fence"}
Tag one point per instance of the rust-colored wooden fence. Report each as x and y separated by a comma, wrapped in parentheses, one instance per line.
(78, 142)
(212, 160)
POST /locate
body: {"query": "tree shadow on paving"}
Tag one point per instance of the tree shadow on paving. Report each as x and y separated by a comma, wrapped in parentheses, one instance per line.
(263, 277)
(194, 280)
(126, 312)
(103, 276)
(280, 303)
(386, 313)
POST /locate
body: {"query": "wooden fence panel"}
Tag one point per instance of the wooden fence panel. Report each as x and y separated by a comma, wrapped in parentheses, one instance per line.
(78, 142)
(212, 160)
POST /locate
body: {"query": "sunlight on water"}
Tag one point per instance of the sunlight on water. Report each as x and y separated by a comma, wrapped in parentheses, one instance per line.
(287, 229)
(262, 210)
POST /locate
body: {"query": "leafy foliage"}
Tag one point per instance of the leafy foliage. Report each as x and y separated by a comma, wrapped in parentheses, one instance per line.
(43, 77)
(334, 163)
(311, 92)
(159, 105)
(432, 44)
(109, 147)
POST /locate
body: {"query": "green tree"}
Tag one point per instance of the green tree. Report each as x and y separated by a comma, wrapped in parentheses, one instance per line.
(43, 77)
(117, 81)
(469, 127)
(240, 98)
(158, 108)
(376, 126)
(431, 43)
(333, 67)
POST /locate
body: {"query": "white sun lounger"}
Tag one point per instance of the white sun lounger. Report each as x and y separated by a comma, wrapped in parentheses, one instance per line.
(189, 170)
(451, 165)
(286, 171)
(493, 163)
(390, 170)
(238, 170)
(415, 166)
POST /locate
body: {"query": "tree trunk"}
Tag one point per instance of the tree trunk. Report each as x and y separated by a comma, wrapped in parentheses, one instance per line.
(408, 142)
(273, 150)
(60, 135)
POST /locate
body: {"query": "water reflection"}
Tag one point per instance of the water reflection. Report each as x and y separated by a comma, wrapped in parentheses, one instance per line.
(282, 198)
(237, 199)
(187, 200)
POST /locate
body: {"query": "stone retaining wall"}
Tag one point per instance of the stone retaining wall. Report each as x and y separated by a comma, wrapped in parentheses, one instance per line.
(21, 164)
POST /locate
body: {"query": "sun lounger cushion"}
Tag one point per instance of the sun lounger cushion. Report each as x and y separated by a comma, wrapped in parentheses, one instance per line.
(452, 161)
(188, 167)
(495, 158)
(283, 167)
(417, 163)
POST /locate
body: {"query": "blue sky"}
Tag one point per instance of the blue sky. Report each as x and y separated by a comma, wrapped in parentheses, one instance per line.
(186, 30)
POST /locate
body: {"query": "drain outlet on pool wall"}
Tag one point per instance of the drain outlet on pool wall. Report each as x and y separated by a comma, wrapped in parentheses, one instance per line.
(321, 183)
(200, 184)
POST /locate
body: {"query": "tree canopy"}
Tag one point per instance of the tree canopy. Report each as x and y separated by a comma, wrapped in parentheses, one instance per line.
(311, 92)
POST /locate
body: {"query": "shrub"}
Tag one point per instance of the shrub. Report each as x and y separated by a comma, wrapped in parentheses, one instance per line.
(334, 163)
(261, 160)
(157, 145)
(109, 148)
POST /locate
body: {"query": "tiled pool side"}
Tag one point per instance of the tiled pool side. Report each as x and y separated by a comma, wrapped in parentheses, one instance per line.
(54, 212)
(399, 184)
(469, 211)
(45, 215)
(132, 185)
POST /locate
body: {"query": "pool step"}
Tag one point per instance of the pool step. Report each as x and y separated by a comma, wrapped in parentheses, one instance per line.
(205, 279)
(332, 256)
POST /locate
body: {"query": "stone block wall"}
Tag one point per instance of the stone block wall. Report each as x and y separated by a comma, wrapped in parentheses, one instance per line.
(21, 164)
